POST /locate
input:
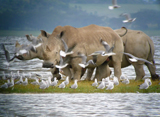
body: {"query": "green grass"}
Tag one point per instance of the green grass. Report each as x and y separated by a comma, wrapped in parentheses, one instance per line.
(83, 87)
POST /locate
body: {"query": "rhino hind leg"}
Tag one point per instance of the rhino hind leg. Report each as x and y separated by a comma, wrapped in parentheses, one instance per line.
(139, 71)
(152, 70)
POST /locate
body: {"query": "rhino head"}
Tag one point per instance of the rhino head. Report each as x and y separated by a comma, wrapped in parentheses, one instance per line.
(31, 55)
(51, 48)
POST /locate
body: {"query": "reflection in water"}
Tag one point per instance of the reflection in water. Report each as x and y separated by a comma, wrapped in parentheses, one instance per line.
(97, 104)
(35, 65)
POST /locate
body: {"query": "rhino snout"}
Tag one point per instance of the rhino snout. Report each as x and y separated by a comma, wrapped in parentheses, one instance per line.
(48, 65)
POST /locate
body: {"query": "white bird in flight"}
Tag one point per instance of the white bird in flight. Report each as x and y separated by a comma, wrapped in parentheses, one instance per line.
(128, 18)
(135, 59)
(62, 64)
(114, 5)
(68, 51)
(84, 64)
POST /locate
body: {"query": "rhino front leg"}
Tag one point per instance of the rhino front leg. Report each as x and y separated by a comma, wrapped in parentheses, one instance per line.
(89, 73)
(55, 73)
(139, 71)
(117, 69)
(67, 72)
(103, 71)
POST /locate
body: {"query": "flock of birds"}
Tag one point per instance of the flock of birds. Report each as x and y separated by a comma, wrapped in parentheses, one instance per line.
(22, 79)
(65, 56)
(126, 15)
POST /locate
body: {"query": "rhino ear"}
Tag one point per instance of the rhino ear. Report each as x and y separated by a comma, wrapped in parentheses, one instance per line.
(61, 34)
(48, 49)
(43, 33)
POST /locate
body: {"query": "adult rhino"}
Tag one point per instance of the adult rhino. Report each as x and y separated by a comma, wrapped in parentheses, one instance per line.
(87, 40)
(39, 54)
(138, 44)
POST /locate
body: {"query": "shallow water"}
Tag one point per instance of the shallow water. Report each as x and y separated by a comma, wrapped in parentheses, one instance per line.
(35, 65)
(77, 105)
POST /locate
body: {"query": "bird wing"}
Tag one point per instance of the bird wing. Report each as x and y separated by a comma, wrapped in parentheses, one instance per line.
(61, 60)
(71, 48)
(111, 49)
(7, 55)
(129, 55)
(65, 45)
(141, 59)
(29, 38)
(127, 16)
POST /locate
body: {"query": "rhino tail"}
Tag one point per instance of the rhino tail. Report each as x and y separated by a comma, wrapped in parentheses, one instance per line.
(121, 35)
(151, 54)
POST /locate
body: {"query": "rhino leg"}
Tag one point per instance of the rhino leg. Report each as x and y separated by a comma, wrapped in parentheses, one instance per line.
(89, 73)
(67, 72)
(139, 71)
(55, 73)
(103, 71)
(152, 70)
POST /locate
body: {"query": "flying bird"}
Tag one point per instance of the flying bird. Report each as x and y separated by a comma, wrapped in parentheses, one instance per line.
(114, 5)
(68, 51)
(34, 40)
(135, 59)
(62, 64)
(128, 18)
(84, 64)
(108, 49)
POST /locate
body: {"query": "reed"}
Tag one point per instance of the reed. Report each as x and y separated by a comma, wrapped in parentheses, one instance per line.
(83, 87)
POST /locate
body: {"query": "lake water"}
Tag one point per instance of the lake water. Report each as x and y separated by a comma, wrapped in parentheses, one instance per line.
(78, 105)
(96, 104)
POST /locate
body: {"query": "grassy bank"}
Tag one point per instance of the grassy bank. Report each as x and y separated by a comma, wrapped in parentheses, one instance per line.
(83, 87)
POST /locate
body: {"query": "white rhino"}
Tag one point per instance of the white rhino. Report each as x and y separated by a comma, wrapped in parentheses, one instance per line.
(138, 44)
(87, 40)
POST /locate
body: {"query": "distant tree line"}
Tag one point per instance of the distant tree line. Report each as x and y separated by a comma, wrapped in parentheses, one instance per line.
(47, 14)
